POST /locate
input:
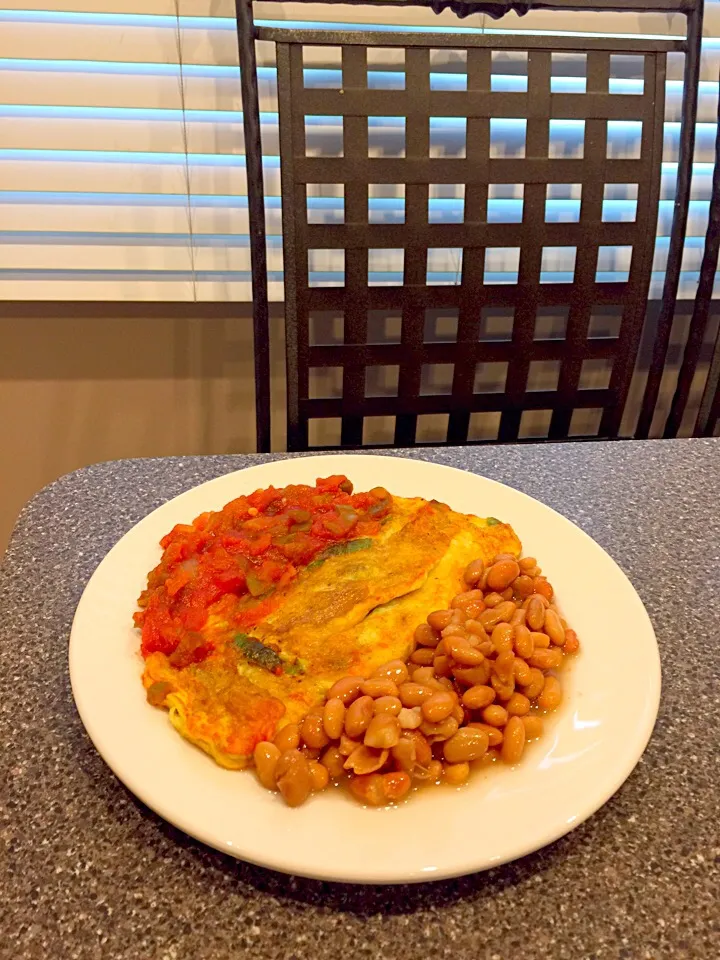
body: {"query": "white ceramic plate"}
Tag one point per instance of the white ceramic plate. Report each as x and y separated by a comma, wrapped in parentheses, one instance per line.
(591, 747)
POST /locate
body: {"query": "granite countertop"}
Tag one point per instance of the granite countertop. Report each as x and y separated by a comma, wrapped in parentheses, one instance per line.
(86, 871)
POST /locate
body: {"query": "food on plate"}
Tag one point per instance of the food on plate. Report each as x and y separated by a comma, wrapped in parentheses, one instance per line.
(255, 611)
(483, 672)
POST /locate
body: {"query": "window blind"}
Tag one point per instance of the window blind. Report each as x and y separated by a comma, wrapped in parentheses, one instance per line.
(121, 148)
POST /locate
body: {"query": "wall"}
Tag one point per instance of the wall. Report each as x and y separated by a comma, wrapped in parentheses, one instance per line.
(82, 383)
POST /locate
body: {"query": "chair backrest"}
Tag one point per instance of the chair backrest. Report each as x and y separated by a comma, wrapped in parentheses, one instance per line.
(525, 251)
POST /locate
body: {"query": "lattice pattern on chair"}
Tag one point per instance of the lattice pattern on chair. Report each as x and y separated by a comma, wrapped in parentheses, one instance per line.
(476, 270)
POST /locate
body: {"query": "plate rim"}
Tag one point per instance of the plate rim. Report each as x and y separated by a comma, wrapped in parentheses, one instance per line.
(285, 864)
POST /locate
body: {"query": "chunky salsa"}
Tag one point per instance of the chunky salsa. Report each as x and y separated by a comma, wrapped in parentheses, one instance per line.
(237, 559)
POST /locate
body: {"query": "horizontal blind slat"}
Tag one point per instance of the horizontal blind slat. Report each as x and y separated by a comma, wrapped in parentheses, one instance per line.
(133, 219)
(42, 286)
(77, 41)
(228, 224)
(224, 140)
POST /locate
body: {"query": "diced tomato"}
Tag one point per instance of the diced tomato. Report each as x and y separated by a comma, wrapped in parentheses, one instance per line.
(270, 570)
(234, 541)
(194, 617)
(367, 528)
(202, 521)
(302, 549)
(238, 559)
(235, 506)
(258, 524)
(261, 499)
(177, 581)
(193, 545)
(229, 581)
(256, 548)
(173, 552)
(289, 574)
(150, 637)
(337, 482)
(177, 531)
(158, 637)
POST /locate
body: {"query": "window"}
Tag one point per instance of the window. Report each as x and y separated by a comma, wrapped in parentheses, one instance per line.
(124, 179)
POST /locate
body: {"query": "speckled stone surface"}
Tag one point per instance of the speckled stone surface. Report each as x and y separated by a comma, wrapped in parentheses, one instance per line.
(88, 872)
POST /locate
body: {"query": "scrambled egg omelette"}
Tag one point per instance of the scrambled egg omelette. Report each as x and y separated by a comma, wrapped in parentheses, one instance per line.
(256, 610)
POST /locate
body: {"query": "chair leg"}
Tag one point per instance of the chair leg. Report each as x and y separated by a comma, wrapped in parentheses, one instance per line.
(256, 212)
(679, 224)
(709, 412)
(701, 307)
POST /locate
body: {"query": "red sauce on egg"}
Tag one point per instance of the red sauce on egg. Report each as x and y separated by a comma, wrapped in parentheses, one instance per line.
(238, 559)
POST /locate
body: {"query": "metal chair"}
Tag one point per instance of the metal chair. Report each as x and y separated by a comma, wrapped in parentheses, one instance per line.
(591, 285)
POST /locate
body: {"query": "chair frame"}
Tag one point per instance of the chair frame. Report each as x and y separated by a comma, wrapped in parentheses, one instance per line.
(247, 33)
(709, 410)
